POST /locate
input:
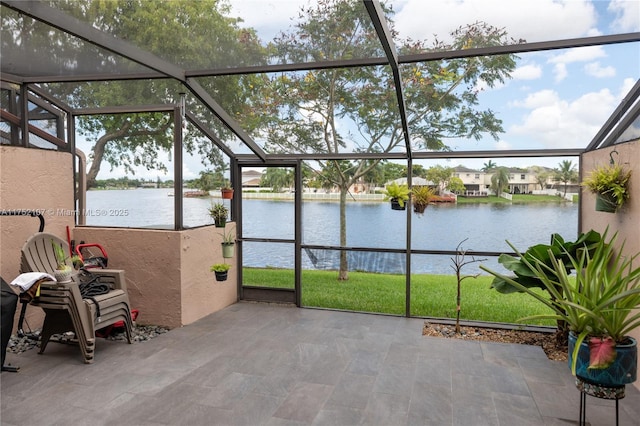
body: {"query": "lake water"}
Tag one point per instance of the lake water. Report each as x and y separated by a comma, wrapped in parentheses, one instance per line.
(369, 224)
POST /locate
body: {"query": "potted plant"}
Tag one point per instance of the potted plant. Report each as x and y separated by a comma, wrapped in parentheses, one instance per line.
(597, 304)
(228, 243)
(219, 213)
(63, 272)
(421, 195)
(221, 270)
(398, 194)
(611, 185)
(226, 190)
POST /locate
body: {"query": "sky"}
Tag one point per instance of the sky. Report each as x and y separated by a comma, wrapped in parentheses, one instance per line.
(555, 99)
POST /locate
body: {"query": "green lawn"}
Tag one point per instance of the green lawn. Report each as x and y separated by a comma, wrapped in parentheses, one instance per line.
(431, 295)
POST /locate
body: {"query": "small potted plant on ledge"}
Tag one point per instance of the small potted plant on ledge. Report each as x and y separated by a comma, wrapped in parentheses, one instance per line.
(611, 185)
(597, 304)
(219, 213)
(421, 195)
(63, 272)
(228, 242)
(221, 270)
(397, 194)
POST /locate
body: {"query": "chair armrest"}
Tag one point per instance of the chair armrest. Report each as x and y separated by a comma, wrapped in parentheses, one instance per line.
(113, 277)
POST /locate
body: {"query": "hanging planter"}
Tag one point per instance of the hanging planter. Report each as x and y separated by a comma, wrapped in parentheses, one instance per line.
(419, 208)
(397, 194)
(228, 250)
(606, 203)
(421, 196)
(218, 213)
(395, 205)
(227, 193)
(610, 183)
(221, 271)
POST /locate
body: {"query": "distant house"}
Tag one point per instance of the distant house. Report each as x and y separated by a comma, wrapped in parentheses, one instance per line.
(251, 179)
(473, 180)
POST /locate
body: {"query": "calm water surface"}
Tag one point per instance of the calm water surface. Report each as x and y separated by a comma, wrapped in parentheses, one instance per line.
(369, 224)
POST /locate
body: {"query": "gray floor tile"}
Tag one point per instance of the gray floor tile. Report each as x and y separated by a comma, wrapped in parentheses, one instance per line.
(260, 364)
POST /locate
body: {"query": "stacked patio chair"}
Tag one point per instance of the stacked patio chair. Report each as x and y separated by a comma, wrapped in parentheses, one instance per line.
(65, 308)
(66, 311)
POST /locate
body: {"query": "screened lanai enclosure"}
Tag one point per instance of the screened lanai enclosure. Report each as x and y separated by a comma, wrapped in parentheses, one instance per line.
(309, 109)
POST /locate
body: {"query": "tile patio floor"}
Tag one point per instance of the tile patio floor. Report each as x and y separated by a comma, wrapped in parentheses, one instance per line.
(260, 364)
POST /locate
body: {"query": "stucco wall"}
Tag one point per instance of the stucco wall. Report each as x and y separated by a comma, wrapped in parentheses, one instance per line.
(626, 221)
(167, 272)
(35, 179)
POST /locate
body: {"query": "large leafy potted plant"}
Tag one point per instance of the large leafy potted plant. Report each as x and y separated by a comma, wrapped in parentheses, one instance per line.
(397, 194)
(611, 185)
(597, 303)
(558, 250)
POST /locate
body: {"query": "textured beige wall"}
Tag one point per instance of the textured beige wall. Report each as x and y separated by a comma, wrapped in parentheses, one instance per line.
(626, 221)
(167, 272)
(201, 293)
(34, 179)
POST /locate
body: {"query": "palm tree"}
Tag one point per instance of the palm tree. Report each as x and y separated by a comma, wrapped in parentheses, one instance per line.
(490, 165)
(500, 180)
(566, 173)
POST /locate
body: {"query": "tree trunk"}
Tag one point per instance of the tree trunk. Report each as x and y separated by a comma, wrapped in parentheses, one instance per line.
(98, 152)
(344, 266)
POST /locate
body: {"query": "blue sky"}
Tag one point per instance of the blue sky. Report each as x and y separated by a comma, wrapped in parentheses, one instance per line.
(556, 99)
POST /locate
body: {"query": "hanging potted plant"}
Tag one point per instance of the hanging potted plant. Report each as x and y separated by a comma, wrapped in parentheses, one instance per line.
(228, 243)
(397, 194)
(611, 186)
(219, 213)
(598, 306)
(63, 272)
(421, 195)
(226, 191)
(221, 270)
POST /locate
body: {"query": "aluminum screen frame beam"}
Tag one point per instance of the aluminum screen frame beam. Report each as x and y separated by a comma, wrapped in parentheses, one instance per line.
(384, 35)
(66, 23)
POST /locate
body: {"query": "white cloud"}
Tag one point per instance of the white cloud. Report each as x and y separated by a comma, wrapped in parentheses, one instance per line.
(538, 99)
(578, 54)
(527, 72)
(502, 145)
(420, 19)
(559, 123)
(627, 15)
(596, 70)
(267, 17)
(560, 72)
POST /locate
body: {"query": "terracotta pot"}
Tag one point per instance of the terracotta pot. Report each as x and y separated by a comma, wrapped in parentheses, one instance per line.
(227, 193)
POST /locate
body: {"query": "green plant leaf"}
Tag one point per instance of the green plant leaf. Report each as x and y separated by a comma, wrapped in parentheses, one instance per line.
(602, 352)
